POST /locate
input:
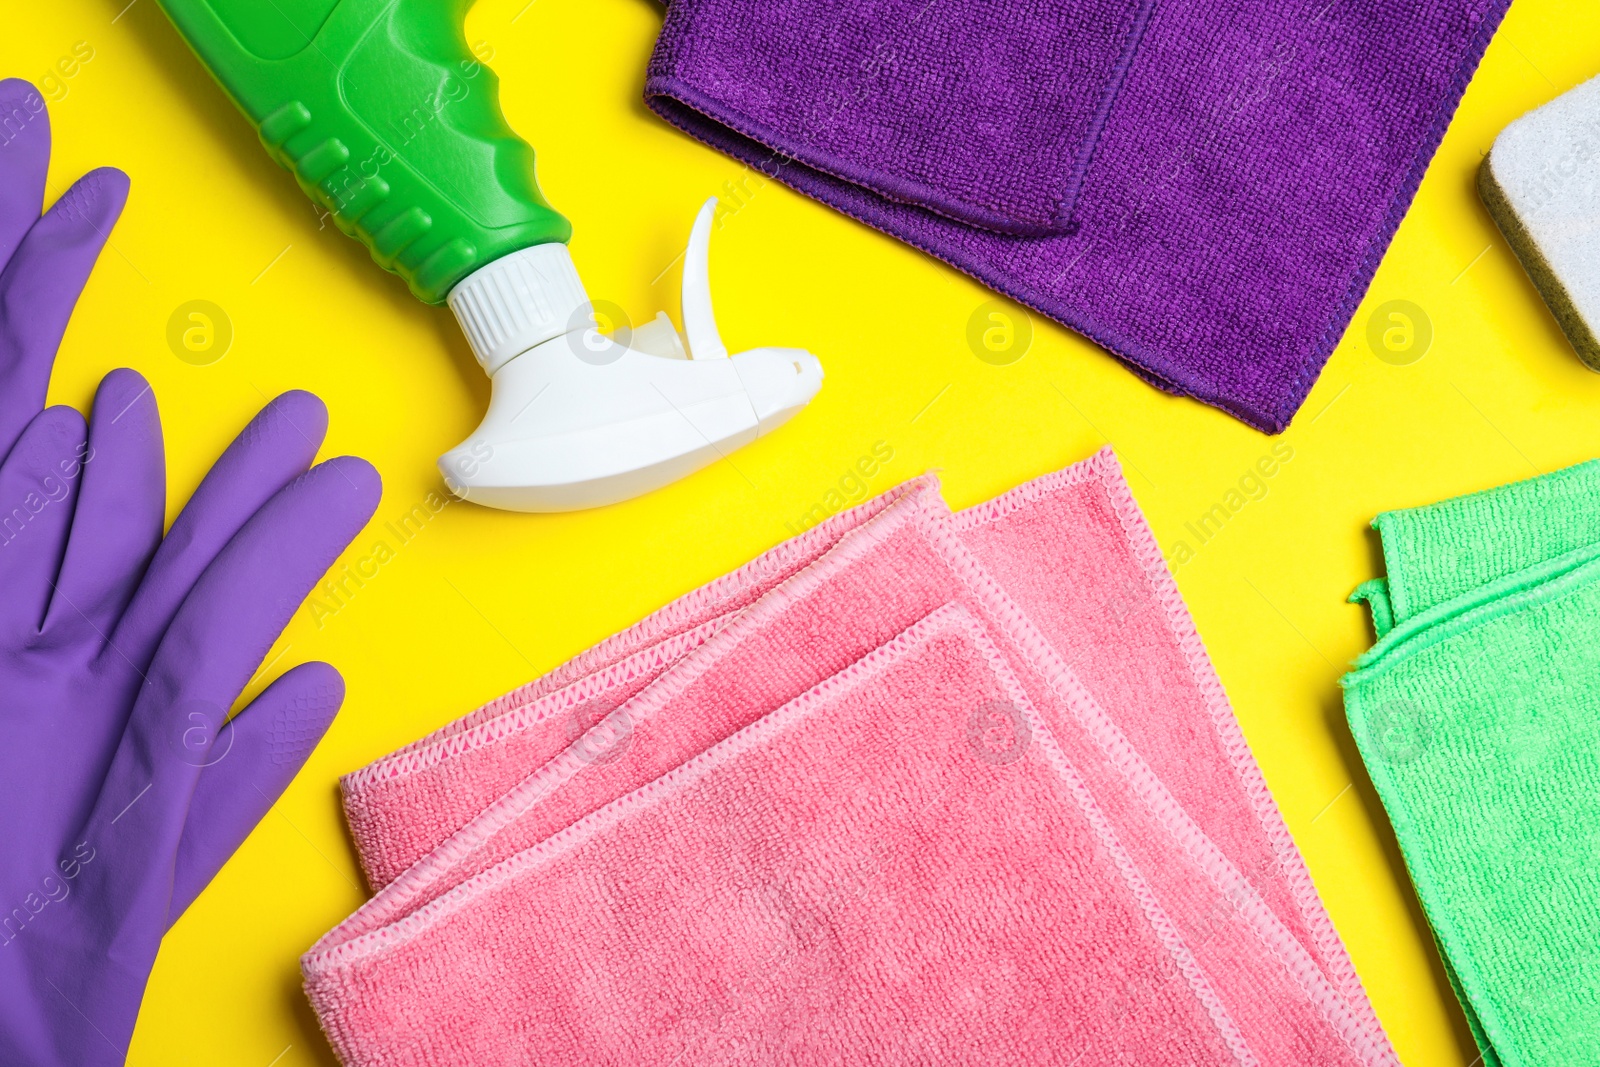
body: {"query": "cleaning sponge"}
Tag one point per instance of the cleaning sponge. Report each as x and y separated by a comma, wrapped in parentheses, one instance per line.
(1541, 182)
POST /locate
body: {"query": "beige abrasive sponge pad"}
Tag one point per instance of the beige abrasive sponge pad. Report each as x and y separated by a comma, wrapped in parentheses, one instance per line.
(1541, 182)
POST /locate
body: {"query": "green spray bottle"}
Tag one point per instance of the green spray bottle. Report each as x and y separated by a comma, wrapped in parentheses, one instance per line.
(388, 120)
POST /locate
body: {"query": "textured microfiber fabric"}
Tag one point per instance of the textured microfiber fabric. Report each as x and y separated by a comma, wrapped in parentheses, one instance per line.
(1035, 80)
(902, 565)
(1259, 936)
(1225, 208)
(1439, 552)
(1259, 989)
(1104, 592)
(405, 805)
(843, 881)
(1541, 182)
(1478, 717)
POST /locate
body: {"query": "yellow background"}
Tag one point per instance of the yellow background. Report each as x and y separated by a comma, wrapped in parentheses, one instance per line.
(481, 601)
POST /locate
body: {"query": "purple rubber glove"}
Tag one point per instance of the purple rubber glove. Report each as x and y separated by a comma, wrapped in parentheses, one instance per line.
(125, 787)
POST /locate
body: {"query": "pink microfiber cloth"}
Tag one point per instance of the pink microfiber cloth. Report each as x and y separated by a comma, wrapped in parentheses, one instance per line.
(1083, 712)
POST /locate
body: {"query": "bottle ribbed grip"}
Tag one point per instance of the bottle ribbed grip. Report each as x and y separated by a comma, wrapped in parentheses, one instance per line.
(518, 301)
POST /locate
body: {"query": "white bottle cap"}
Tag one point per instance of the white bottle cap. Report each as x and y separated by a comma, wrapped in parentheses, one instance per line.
(519, 301)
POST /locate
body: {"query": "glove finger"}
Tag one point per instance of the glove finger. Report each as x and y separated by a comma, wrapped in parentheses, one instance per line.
(218, 637)
(274, 449)
(38, 487)
(40, 285)
(248, 767)
(248, 594)
(24, 161)
(121, 509)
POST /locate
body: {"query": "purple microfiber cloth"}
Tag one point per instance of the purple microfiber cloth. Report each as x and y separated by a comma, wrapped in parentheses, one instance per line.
(1205, 189)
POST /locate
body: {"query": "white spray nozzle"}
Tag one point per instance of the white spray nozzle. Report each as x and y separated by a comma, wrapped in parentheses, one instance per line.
(578, 418)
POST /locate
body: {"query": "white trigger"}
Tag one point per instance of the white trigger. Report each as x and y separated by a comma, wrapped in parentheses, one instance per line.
(699, 319)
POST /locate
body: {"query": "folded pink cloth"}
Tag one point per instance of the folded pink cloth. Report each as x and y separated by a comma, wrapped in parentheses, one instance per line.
(1105, 692)
(405, 805)
(935, 910)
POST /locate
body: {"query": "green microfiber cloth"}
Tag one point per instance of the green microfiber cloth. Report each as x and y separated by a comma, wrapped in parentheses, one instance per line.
(1435, 553)
(1541, 183)
(1478, 716)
